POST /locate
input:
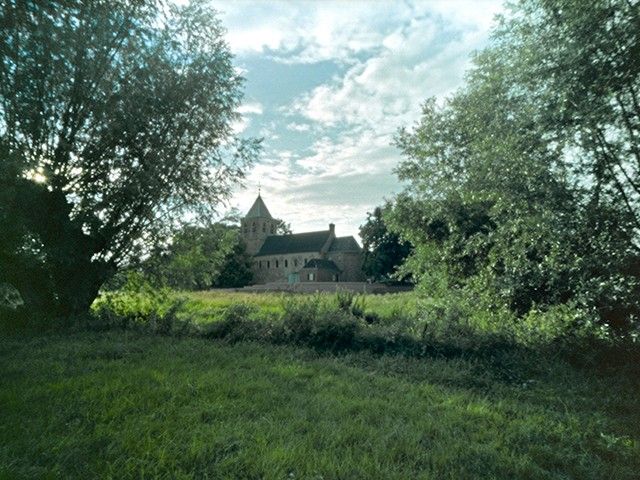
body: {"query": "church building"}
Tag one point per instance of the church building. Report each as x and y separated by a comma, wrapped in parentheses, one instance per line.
(300, 257)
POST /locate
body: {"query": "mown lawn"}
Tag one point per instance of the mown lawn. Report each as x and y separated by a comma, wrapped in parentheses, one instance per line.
(127, 405)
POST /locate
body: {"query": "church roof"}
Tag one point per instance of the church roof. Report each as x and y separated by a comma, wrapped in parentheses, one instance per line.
(344, 244)
(321, 263)
(258, 209)
(295, 243)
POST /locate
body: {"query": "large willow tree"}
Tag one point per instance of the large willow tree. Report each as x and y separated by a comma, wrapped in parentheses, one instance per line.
(115, 122)
(524, 186)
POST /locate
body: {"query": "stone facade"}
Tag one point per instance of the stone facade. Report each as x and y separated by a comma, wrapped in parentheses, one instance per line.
(303, 257)
(257, 225)
(278, 268)
(350, 263)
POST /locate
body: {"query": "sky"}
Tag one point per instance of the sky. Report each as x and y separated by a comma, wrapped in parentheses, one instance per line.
(328, 84)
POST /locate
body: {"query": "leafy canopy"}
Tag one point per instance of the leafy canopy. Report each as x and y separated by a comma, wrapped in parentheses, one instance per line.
(116, 122)
(384, 251)
(523, 186)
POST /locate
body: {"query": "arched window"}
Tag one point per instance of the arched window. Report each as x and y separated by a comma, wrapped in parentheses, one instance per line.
(276, 263)
(286, 263)
(260, 264)
(268, 264)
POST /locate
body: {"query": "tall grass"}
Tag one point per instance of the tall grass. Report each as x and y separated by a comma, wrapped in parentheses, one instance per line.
(400, 323)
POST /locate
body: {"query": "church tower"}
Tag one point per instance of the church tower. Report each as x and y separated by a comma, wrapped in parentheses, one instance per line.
(257, 225)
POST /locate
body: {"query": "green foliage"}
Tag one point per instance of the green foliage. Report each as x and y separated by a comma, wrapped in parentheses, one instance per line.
(236, 324)
(10, 298)
(282, 227)
(139, 306)
(351, 303)
(559, 324)
(344, 299)
(116, 121)
(199, 258)
(44, 253)
(522, 187)
(384, 251)
(316, 322)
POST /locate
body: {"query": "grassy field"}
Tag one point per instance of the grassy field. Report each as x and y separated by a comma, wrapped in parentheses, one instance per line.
(130, 405)
(206, 306)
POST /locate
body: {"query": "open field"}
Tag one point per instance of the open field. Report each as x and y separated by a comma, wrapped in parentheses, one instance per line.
(208, 305)
(129, 405)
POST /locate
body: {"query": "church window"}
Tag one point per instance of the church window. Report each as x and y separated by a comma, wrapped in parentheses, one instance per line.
(253, 227)
(286, 263)
(276, 263)
(260, 264)
(268, 264)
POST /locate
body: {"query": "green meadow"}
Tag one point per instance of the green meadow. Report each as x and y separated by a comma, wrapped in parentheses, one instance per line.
(207, 306)
(133, 403)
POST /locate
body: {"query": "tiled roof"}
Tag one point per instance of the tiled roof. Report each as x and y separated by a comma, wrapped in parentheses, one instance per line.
(344, 244)
(295, 243)
(258, 210)
(320, 263)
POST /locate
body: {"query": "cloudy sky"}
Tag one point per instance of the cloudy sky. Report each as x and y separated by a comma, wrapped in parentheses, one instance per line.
(327, 86)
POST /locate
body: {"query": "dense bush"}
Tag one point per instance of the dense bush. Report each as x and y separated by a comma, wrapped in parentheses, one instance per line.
(384, 250)
(350, 302)
(319, 323)
(139, 306)
(236, 325)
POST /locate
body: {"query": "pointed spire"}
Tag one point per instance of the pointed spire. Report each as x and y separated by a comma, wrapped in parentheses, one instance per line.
(258, 210)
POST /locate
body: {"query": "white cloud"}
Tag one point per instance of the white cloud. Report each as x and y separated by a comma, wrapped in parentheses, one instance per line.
(471, 13)
(339, 181)
(240, 125)
(254, 108)
(395, 56)
(386, 90)
(308, 32)
(299, 127)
